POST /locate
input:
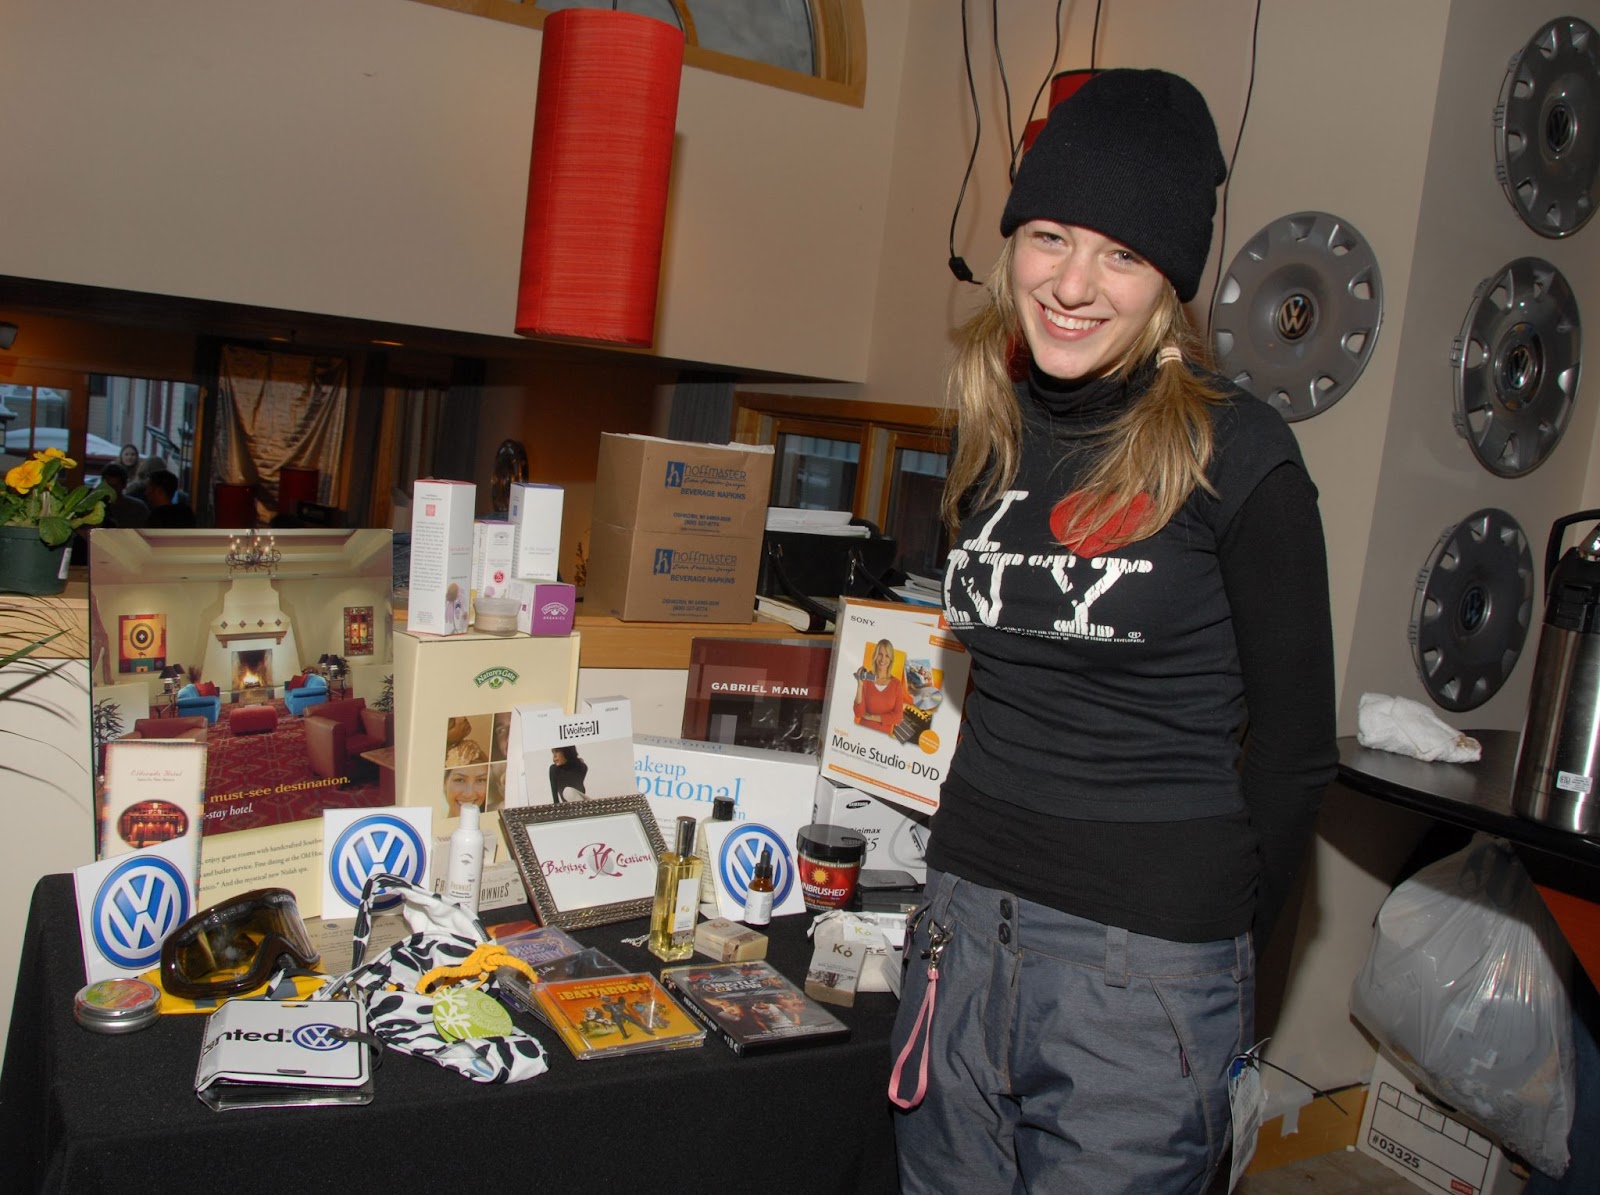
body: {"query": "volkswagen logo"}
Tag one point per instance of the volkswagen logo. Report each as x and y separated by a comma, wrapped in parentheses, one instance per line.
(319, 1037)
(382, 842)
(736, 861)
(1295, 316)
(137, 906)
(1560, 129)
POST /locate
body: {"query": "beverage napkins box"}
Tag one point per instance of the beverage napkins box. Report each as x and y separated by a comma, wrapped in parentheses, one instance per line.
(535, 517)
(452, 704)
(677, 529)
(1410, 1134)
(896, 841)
(441, 556)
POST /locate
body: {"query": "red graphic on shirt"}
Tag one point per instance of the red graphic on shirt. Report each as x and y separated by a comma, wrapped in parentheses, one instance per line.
(1111, 533)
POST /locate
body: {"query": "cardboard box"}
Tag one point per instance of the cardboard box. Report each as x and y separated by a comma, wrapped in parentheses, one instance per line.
(896, 841)
(441, 557)
(772, 793)
(452, 703)
(1406, 1131)
(651, 484)
(896, 741)
(654, 576)
(535, 518)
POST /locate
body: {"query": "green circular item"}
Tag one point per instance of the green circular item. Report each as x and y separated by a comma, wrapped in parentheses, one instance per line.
(460, 1013)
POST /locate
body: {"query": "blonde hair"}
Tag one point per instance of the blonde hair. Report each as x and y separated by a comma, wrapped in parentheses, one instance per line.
(1159, 446)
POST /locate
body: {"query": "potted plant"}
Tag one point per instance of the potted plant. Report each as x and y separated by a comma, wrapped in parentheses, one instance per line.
(38, 515)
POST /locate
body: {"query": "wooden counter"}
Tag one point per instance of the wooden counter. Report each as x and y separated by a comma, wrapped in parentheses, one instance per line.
(608, 642)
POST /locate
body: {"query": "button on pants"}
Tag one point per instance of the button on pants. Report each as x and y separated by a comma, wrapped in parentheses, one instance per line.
(1066, 1055)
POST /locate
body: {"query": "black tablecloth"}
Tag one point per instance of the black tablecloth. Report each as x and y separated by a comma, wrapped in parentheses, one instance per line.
(84, 1112)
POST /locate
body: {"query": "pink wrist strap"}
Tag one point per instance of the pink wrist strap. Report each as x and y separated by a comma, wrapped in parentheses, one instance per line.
(921, 1028)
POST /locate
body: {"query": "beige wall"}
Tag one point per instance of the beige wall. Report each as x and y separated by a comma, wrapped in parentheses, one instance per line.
(370, 158)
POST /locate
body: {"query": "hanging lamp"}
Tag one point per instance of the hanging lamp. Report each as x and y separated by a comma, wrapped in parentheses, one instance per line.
(597, 181)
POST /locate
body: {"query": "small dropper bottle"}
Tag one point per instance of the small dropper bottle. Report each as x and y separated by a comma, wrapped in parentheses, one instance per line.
(758, 898)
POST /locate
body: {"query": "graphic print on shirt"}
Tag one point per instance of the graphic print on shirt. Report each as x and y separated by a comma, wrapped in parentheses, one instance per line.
(1049, 594)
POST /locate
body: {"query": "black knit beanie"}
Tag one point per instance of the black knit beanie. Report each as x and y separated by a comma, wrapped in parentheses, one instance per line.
(1133, 154)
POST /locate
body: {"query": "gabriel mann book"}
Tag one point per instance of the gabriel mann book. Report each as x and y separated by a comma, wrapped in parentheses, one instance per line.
(613, 1015)
(752, 1007)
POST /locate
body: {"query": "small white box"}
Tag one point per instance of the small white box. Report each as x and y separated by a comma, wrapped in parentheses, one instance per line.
(491, 557)
(896, 841)
(1413, 1136)
(441, 557)
(535, 518)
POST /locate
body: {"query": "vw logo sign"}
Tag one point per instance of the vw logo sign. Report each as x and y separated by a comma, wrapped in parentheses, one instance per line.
(736, 862)
(382, 842)
(1295, 316)
(318, 1037)
(137, 906)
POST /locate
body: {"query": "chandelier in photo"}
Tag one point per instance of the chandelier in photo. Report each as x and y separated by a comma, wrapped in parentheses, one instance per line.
(252, 554)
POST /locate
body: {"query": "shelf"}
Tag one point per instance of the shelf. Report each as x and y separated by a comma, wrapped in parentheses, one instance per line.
(24, 617)
(608, 642)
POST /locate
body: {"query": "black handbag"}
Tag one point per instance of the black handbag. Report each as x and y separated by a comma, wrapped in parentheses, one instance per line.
(814, 571)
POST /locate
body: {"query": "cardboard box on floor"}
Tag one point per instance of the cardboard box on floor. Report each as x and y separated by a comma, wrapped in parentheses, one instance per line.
(677, 529)
(1406, 1131)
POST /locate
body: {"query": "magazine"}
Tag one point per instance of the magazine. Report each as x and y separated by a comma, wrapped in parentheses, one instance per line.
(894, 702)
(752, 1007)
(610, 1016)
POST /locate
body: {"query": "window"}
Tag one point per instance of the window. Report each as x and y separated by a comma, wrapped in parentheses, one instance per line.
(156, 416)
(817, 47)
(35, 418)
(881, 462)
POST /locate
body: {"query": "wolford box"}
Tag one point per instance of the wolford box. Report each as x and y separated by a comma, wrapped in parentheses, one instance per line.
(441, 557)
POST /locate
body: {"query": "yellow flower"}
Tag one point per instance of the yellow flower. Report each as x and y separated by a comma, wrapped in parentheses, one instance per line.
(50, 454)
(25, 476)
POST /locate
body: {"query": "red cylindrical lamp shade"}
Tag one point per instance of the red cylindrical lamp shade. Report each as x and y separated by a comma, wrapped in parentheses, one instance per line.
(597, 183)
(1062, 85)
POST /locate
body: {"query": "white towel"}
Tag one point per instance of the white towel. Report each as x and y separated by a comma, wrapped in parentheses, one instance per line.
(1408, 727)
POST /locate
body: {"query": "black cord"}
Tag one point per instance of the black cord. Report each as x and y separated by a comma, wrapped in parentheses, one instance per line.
(1000, 65)
(958, 265)
(1227, 183)
(1055, 59)
(1094, 35)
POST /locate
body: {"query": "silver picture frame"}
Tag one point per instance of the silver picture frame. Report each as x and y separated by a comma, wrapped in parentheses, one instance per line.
(586, 863)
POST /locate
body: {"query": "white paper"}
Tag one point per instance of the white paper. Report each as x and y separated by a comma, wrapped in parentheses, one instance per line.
(129, 904)
(356, 843)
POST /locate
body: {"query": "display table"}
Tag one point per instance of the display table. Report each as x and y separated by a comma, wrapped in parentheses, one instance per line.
(83, 1112)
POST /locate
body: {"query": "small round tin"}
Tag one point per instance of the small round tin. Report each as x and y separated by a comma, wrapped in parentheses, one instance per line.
(117, 1005)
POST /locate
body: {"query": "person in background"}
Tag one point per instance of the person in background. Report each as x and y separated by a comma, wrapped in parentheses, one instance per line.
(161, 494)
(1138, 574)
(128, 458)
(141, 475)
(122, 511)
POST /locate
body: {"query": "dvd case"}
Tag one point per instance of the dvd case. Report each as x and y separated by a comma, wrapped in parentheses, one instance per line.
(752, 1007)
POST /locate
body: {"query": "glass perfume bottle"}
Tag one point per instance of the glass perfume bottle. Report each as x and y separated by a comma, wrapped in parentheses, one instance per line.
(676, 905)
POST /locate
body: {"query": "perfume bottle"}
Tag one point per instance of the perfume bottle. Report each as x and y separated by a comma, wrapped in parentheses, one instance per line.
(673, 912)
(758, 897)
(721, 811)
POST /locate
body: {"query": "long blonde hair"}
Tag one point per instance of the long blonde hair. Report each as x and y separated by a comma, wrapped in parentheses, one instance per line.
(1159, 446)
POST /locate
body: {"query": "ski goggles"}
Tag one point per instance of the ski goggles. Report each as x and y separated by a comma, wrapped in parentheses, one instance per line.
(236, 945)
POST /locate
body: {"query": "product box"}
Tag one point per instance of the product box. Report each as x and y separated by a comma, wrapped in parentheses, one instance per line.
(491, 557)
(501, 886)
(544, 607)
(894, 702)
(757, 692)
(441, 557)
(896, 840)
(453, 703)
(677, 529)
(772, 793)
(654, 576)
(1410, 1134)
(535, 518)
(559, 757)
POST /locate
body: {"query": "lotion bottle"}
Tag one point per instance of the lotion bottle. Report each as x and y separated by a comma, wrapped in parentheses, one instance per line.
(676, 905)
(465, 874)
(758, 897)
(721, 811)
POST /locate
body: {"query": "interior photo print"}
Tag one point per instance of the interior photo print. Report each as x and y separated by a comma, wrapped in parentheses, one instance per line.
(271, 649)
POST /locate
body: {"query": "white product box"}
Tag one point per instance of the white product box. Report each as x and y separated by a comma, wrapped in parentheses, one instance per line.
(595, 743)
(491, 557)
(772, 793)
(896, 841)
(1410, 1134)
(535, 518)
(441, 557)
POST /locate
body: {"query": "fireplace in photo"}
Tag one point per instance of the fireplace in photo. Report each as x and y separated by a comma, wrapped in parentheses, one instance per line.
(252, 670)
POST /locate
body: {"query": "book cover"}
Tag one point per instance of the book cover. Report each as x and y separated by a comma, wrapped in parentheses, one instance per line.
(615, 1015)
(752, 1007)
(154, 791)
(757, 692)
(894, 702)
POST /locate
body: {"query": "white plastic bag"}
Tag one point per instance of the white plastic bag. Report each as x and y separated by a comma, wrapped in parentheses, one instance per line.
(1467, 985)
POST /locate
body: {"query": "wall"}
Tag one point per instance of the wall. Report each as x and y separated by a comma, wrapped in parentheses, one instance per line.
(370, 159)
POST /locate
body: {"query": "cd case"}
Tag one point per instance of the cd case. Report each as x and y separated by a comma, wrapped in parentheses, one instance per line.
(612, 1015)
(285, 1053)
(752, 1007)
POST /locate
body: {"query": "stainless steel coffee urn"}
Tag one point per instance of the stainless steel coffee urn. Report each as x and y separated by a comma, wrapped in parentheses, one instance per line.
(1557, 778)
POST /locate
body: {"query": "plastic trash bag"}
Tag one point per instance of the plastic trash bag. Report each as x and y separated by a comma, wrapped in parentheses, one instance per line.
(1467, 985)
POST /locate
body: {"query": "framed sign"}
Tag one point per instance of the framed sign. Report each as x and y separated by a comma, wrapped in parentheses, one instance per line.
(586, 862)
